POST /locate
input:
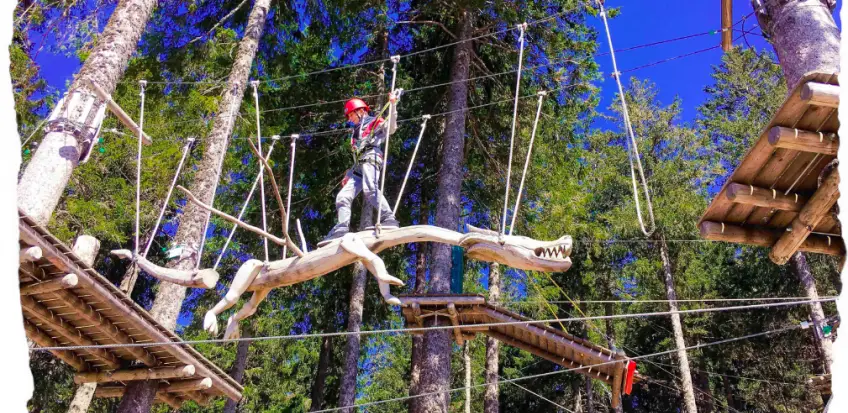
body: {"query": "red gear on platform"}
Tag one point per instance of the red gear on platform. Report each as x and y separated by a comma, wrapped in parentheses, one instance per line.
(354, 104)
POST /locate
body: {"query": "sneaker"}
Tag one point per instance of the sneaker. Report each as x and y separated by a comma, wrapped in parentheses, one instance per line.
(337, 232)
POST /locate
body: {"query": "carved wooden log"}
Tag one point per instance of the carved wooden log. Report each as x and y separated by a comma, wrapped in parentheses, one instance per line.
(206, 278)
(769, 198)
(68, 281)
(821, 94)
(176, 387)
(802, 140)
(29, 254)
(454, 318)
(821, 244)
(119, 112)
(135, 374)
(810, 216)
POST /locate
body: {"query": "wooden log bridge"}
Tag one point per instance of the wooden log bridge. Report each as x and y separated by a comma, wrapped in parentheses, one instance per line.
(470, 314)
(783, 193)
(67, 303)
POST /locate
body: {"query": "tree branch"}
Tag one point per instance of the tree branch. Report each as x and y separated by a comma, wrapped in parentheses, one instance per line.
(220, 22)
(431, 22)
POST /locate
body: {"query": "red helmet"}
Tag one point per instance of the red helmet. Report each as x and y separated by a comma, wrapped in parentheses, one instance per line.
(354, 104)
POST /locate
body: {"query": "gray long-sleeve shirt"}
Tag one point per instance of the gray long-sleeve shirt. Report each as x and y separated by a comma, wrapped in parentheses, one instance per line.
(370, 147)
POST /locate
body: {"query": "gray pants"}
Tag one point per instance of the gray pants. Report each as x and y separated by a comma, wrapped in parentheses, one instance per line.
(355, 184)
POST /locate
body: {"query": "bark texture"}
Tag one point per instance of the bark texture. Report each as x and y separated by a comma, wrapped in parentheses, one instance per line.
(417, 339)
(347, 386)
(590, 396)
(803, 34)
(86, 248)
(317, 393)
(490, 399)
(46, 176)
(436, 369)
(802, 270)
(466, 359)
(239, 366)
(166, 307)
(686, 388)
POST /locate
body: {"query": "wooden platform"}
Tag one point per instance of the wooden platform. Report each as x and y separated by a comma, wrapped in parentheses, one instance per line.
(773, 198)
(92, 311)
(470, 313)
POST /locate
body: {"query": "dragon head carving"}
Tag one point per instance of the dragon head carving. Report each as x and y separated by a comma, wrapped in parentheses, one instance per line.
(517, 251)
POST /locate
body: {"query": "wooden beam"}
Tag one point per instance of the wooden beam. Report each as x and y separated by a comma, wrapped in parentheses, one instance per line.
(454, 318)
(161, 373)
(187, 385)
(442, 300)
(726, 25)
(42, 339)
(118, 112)
(118, 391)
(416, 313)
(826, 143)
(762, 197)
(29, 254)
(821, 244)
(201, 399)
(170, 399)
(809, 217)
(820, 94)
(67, 331)
(61, 283)
(615, 386)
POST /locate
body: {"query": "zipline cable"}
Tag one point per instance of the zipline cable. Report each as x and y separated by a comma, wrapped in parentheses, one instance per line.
(633, 150)
(186, 149)
(693, 300)
(141, 84)
(411, 163)
(288, 196)
(274, 140)
(255, 84)
(662, 353)
(395, 59)
(440, 327)
(521, 27)
(542, 95)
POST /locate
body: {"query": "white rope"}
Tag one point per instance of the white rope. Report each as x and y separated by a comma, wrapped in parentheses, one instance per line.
(662, 353)
(141, 84)
(521, 27)
(168, 197)
(255, 84)
(442, 327)
(231, 120)
(542, 95)
(395, 60)
(633, 151)
(274, 140)
(692, 300)
(536, 394)
(411, 162)
(288, 197)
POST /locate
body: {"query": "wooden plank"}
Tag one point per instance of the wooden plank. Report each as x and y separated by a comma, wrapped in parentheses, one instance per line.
(425, 300)
(826, 143)
(615, 386)
(454, 318)
(119, 112)
(820, 203)
(66, 331)
(170, 399)
(821, 244)
(68, 281)
(764, 197)
(188, 385)
(42, 339)
(820, 94)
(161, 373)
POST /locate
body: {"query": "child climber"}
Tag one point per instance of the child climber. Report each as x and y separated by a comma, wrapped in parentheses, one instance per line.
(367, 141)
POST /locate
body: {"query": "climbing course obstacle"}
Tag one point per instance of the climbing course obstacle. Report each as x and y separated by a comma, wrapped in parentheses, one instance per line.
(783, 193)
(471, 314)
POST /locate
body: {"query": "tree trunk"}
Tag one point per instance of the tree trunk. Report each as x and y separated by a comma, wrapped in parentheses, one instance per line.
(86, 247)
(705, 399)
(418, 339)
(682, 358)
(590, 396)
(347, 386)
(317, 394)
(490, 402)
(166, 307)
(803, 34)
(806, 39)
(802, 270)
(466, 358)
(239, 366)
(44, 180)
(436, 369)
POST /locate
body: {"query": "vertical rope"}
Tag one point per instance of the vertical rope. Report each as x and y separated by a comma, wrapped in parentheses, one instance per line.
(288, 197)
(255, 84)
(142, 84)
(411, 162)
(274, 140)
(633, 150)
(521, 27)
(395, 59)
(542, 95)
(231, 120)
(168, 197)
